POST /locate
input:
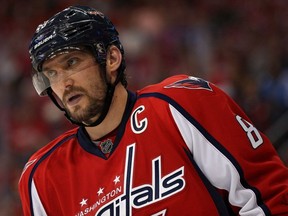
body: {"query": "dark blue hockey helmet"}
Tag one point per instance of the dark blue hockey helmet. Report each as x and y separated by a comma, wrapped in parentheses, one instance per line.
(74, 26)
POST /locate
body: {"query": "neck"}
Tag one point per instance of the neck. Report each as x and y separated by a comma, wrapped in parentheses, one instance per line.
(114, 115)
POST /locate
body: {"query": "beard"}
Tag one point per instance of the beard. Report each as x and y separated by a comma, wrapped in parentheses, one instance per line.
(93, 108)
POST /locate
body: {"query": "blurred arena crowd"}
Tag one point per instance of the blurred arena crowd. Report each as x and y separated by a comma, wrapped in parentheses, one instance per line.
(240, 45)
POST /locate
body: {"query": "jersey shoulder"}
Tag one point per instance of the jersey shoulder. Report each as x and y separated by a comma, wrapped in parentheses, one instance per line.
(38, 155)
(53, 143)
(182, 86)
(195, 95)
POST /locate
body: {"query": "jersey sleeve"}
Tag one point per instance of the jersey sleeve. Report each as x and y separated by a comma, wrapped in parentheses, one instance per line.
(31, 203)
(34, 181)
(23, 189)
(228, 148)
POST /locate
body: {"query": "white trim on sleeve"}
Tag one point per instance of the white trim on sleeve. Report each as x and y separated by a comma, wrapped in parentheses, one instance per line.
(38, 208)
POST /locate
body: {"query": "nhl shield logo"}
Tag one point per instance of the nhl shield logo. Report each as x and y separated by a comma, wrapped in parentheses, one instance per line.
(106, 146)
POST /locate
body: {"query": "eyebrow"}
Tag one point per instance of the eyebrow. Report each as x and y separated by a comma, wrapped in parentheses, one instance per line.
(63, 57)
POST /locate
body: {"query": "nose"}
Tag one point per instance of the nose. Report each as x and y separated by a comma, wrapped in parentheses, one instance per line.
(65, 79)
(67, 82)
(64, 85)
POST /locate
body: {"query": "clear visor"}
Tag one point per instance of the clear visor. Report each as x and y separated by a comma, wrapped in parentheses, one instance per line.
(75, 62)
(40, 83)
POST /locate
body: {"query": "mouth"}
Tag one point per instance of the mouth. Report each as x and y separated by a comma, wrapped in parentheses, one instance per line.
(73, 99)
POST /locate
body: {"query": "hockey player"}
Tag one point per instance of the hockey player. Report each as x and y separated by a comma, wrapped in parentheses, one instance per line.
(180, 147)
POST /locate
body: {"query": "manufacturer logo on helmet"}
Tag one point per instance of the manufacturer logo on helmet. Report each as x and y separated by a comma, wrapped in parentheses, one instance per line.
(45, 40)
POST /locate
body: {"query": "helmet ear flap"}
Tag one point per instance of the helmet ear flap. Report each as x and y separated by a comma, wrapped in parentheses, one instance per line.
(101, 52)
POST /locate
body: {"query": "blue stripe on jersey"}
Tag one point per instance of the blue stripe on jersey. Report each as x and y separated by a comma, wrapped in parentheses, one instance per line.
(214, 142)
(39, 162)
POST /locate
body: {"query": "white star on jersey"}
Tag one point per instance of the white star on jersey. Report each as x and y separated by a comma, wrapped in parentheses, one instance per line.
(116, 180)
(83, 202)
(100, 191)
(162, 213)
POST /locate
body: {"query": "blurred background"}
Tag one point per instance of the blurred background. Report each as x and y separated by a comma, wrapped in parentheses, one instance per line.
(240, 45)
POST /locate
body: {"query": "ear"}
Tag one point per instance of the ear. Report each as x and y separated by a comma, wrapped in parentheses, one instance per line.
(113, 61)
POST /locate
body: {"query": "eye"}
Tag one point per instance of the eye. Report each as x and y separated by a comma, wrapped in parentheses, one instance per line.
(50, 74)
(71, 62)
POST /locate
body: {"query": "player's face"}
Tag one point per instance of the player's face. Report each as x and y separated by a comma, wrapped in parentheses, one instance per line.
(77, 81)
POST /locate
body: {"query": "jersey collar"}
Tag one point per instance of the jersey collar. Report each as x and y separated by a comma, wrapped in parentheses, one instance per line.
(89, 146)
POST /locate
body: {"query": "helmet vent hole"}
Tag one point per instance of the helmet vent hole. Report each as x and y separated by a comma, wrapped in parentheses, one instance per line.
(72, 32)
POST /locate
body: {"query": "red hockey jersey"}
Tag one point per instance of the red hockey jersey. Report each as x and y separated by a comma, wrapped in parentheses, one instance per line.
(183, 148)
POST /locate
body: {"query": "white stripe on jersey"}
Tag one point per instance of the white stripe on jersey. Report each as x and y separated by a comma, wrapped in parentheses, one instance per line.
(38, 208)
(217, 167)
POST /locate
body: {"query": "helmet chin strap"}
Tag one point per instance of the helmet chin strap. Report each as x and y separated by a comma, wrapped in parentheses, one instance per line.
(107, 103)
